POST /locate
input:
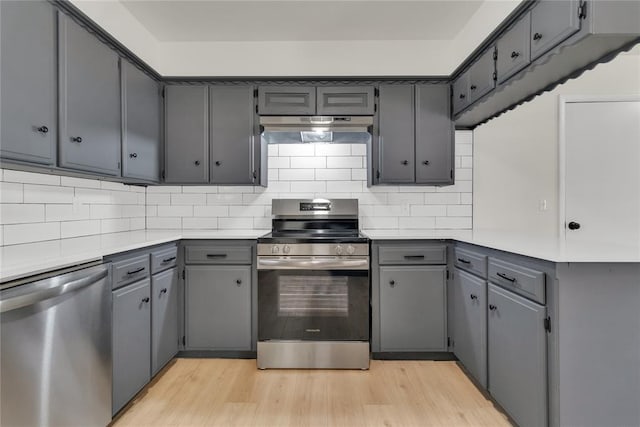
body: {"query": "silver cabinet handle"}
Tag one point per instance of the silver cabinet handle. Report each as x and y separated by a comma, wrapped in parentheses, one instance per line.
(275, 263)
(20, 301)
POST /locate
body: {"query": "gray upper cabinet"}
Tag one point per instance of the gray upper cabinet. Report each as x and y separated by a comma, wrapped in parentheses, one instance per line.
(141, 108)
(232, 135)
(28, 125)
(412, 308)
(396, 139)
(434, 135)
(517, 356)
(89, 101)
(513, 49)
(552, 21)
(131, 341)
(470, 324)
(286, 100)
(218, 307)
(186, 134)
(164, 318)
(345, 100)
(461, 92)
(482, 77)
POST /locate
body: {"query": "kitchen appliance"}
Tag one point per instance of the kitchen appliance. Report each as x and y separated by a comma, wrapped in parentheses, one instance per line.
(313, 287)
(55, 354)
(334, 129)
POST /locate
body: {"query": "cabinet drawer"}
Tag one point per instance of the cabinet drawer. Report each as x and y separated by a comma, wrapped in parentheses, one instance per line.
(513, 49)
(407, 254)
(521, 280)
(163, 259)
(473, 262)
(130, 270)
(218, 254)
(345, 100)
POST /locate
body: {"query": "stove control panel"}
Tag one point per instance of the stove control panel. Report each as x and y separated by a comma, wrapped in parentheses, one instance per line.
(313, 249)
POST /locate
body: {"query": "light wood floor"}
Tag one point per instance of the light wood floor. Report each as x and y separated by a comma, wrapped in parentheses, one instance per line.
(232, 392)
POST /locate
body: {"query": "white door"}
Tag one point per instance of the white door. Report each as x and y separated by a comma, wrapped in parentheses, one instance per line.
(602, 172)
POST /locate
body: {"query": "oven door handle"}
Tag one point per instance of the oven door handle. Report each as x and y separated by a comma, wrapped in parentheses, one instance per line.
(312, 263)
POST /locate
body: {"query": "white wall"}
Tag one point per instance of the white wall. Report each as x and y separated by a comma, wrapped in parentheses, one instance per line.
(319, 170)
(35, 207)
(516, 154)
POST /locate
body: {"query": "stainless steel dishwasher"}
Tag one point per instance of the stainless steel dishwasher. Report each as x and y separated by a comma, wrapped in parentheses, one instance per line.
(55, 353)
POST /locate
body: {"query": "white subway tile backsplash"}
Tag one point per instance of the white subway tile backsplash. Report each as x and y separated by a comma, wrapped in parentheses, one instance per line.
(309, 187)
(30, 177)
(115, 225)
(272, 175)
(163, 223)
(235, 223)
(333, 174)
(67, 212)
(175, 211)
(464, 149)
(453, 222)
(200, 189)
(151, 211)
(133, 211)
(358, 174)
(459, 210)
(379, 222)
(21, 213)
(79, 228)
(466, 198)
(442, 199)
(464, 174)
(138, 223)
(406, 198)
(333, 149)
(308, 162)
(188, 199)
(245, 211)
(279, 163)
(27, 233)
(211, 211)
(116, 186)
(272, 150)
(345, 162)
(429, 210)
(11, 192)
(466, 162)
(358, 149)
(236, 189)
(224, 199)
(344, 186)
(164, 189)
(416, 222)
(106, 211)
(124, 198)
(262, 223)
(296, 150)
(200, 223)
(68, 181)
(158, 199)
(47, 194)
(86, 195)
(297, 174)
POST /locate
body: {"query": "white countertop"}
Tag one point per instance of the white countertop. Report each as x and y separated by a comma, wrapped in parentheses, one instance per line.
(546, 248)
(19, 261)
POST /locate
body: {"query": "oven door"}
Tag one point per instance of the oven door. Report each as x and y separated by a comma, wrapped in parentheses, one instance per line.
(313, 299)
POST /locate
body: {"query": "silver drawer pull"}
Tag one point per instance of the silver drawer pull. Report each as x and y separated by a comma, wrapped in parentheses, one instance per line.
(505, 277)
(137, 270)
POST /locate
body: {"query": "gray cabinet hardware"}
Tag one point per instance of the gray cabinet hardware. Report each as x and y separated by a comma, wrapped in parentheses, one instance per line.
(77, 139)
(573, 225)
(492, 307)
(216, 256)
(197, 163)
(464, 261)
(505, 277)
(163, 291)
(537, 36)
(166, 260)
(473, 297)
(146, 300)
(133, 155)
(43, 129)
(137, 270)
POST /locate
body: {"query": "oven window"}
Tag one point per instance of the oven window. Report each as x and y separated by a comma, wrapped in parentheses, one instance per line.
(323, 296)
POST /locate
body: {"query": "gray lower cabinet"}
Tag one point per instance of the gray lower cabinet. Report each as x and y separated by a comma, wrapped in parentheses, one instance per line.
(469, 328)
(218, 307)
(28, 125)
(517, 356)
(513, 49)
(140, 124)
(414, 144)
(164, 318)
(412, 308)
(186, 134)
(131, 341)
(232, 130)
(89, 101)
(552, 22)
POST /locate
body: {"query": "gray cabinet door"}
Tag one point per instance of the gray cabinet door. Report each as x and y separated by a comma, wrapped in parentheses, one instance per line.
(28, 81)
(481, 76)
(461, 92)
(131, 338)
(470, 324)
(186, 134)
(232, 134)
(517, 346)
(552, 21)
(164, 318)
(218, 307)
(412, 308)
(513, 49)
(287, 100)
(345, 100)
(434, 134)
(140, 124)
(396, 139)
(89, 103)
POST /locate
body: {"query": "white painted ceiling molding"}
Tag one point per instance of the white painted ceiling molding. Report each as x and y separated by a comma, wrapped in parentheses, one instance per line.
(299, 37)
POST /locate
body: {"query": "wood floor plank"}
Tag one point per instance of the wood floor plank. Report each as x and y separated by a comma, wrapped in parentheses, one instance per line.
(233, 392)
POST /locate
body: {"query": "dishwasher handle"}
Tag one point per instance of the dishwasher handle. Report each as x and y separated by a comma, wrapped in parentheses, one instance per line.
(31, 298)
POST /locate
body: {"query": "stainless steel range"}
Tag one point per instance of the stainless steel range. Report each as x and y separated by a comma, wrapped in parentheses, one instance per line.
(313, 287)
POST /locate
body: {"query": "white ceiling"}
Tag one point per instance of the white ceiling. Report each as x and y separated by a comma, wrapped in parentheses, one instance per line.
(301, 20)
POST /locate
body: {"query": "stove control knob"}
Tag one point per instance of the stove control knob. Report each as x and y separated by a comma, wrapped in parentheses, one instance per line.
(339, 250)
(350, 250)
(275, 249)
(286, 249)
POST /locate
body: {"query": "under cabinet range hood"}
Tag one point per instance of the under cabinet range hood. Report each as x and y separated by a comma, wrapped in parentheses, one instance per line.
(332, 129)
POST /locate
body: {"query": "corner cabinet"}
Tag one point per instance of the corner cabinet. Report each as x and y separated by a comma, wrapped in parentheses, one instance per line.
(28, 82)
(415, 139)
(141, 109)
(89, 101)
(211, 135)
